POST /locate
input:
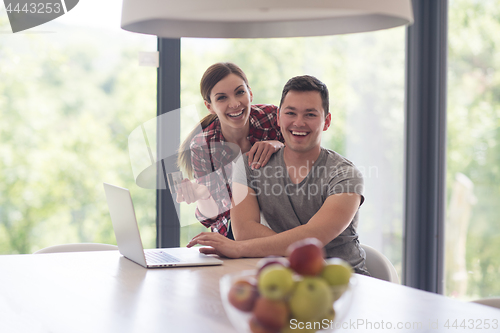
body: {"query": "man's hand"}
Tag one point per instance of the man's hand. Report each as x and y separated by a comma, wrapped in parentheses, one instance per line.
(191, 191)
(261, 152)
(220, 245)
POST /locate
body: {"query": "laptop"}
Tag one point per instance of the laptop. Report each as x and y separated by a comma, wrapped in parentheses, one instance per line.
(121, 209)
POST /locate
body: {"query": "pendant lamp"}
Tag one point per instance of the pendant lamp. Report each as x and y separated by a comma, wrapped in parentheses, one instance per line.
(262, 18)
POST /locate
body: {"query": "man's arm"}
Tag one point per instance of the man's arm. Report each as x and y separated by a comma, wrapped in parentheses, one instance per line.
(334, 216)
(245, 214)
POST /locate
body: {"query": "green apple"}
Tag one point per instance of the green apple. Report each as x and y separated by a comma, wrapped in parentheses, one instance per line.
(311, 299)
(329, 315)
(337, 272)
(275, 282)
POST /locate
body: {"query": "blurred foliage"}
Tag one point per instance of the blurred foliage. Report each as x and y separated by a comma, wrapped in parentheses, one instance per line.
(66, 109)
(474, 134)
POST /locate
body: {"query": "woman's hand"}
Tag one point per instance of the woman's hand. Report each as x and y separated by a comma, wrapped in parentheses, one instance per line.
(220, 245)
(261, 152)
(191, 191)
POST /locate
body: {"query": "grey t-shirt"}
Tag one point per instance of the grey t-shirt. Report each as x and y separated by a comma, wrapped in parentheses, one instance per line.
(286, 205)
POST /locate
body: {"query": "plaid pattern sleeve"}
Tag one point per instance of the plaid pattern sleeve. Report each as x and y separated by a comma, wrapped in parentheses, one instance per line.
(264, 124)
(211, 158)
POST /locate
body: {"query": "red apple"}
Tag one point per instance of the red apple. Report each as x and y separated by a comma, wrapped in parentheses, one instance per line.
(307, 256)
(243, 294)
(263, 263)
(270, 313)
(257, 327)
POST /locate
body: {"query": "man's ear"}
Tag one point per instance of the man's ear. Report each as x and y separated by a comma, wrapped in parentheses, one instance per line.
(328, 121)
(209, 107)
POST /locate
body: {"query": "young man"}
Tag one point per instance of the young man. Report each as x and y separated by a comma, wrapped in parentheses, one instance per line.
(304, 190)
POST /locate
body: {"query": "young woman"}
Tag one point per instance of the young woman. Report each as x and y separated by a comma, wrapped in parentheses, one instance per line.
(234, 125)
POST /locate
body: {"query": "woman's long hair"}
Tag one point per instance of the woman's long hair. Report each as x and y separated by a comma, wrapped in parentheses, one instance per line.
(184, 157)
(210, 78)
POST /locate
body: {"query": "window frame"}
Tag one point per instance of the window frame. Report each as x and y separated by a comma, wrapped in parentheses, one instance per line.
(168, 99)
(425, 132)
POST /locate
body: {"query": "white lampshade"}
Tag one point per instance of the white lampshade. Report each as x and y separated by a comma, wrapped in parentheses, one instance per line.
(262, 18)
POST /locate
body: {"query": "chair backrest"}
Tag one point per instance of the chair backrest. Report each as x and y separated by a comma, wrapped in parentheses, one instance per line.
(78, 247)
(379, 266)
(494, 302)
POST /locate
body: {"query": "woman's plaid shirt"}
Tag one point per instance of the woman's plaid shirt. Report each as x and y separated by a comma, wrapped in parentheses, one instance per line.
(211, 157)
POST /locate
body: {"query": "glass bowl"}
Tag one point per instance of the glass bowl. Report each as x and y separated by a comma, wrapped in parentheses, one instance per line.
(240, 319)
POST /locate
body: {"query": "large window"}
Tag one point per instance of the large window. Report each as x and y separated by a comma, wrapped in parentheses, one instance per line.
(473, 165)
(71, 91)
(365, 76)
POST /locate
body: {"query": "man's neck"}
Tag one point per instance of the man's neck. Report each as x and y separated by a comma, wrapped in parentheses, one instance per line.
(299, 164)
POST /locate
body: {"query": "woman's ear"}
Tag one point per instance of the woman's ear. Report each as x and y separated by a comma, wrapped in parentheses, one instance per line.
(251, 94)
(209, 107)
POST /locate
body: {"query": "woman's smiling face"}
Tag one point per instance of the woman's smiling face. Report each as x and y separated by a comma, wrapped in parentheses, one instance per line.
(231, 100)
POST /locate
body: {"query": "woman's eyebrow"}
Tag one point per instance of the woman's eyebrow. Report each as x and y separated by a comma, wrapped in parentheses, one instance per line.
(221, 93)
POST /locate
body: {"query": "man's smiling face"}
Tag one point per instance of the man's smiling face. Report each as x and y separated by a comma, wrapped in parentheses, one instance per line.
(302, 119)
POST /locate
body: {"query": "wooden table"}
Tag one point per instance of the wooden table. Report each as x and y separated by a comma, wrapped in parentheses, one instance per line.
(97, 292)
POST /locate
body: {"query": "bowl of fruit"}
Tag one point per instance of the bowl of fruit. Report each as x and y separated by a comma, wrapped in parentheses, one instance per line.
(301, 293)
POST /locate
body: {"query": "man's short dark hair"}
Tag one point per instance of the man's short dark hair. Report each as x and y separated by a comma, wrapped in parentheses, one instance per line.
(307, 83)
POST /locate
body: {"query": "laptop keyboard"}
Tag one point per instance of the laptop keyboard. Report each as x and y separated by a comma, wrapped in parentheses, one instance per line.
(160, 257)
